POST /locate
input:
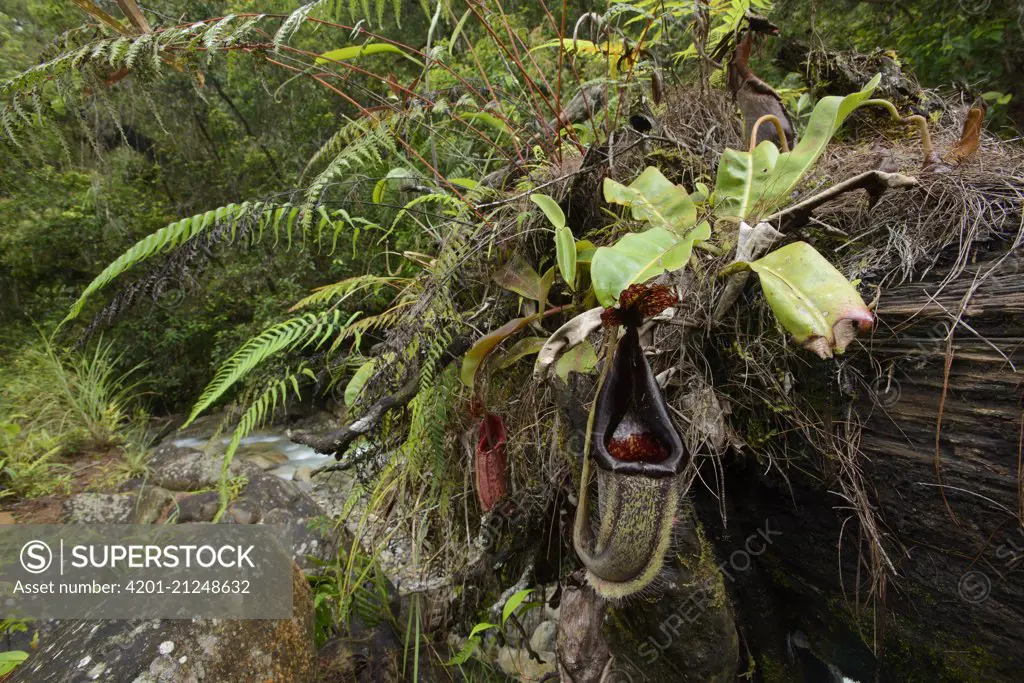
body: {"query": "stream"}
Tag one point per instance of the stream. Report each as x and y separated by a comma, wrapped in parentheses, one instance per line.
(271, 452)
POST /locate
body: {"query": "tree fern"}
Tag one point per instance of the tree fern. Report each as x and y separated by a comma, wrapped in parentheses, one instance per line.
(297, 333)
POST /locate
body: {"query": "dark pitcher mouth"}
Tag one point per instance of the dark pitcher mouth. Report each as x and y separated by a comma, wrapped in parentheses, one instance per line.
(633, 433)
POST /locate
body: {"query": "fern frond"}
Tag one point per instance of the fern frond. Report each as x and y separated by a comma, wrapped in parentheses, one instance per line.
(363, 153)
(294, 22)
(337, 292)
(256, 414)
(374, 322)
(296, 333)
(166, 239)
(456, 204)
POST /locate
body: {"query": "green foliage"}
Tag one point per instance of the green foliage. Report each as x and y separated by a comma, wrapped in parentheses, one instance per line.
(366, 50)
(305, 331)
(54, 405)
(656, 200)
(170, 237)
(486, 344)
(755, 184)
(809, 297)
(666, 246)
(640, 256)
(10, 659)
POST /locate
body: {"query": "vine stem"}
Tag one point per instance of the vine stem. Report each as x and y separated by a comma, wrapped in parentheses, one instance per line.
(784, 143)
(915, 120)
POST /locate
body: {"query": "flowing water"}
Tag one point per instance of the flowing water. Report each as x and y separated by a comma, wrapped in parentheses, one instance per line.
(271, 451)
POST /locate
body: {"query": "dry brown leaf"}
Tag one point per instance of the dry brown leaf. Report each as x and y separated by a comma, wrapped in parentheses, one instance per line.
(970, 138)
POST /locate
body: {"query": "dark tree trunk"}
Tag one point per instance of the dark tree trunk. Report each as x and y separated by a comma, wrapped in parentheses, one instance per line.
(951, 605)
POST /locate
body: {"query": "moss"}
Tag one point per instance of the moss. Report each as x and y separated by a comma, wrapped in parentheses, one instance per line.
(774, 671)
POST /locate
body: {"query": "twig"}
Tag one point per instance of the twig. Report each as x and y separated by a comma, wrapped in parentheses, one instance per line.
(337, 442)
(875, 182)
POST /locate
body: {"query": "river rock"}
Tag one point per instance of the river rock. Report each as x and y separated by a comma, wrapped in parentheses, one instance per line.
(187, 469)
(543, 638)
(198, 507)
(181, 650)
(519, 663)
(142, 507)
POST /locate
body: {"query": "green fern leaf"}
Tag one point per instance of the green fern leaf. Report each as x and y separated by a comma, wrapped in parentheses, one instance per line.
(297, 333)
(161, 241)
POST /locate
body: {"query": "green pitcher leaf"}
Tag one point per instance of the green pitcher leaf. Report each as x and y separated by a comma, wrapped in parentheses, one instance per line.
(585, 251)
(811, 299)
(546, 281)
(521, 349)
(550, 208)
(581, 358)
(755, 184)
(653, 198)
(639, 256)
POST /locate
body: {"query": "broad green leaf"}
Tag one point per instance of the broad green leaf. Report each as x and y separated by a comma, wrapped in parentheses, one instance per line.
(468, 183)
(358, 381)
(382, 184)
(810, 298)
(585, 251)
(487, 119)
(521, 349)
(513, 602)
(487, 343)
(356, 51)
(752, 185)
(480, 628)
(639, 256)
(519, 276)
(581, 358)
(550, 208)
(11, 659)
(654, 199)
(565, 254)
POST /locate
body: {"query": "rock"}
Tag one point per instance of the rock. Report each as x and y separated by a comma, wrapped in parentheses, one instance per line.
(348, 660)
(331, 491)
(181, 650)
(543, 638)
(186, 469)
(143, 507)
(266, 462)
(198, 507)
(303, 474)
(242, 512)
(311, 547)
(268, 493)
(520, 663)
